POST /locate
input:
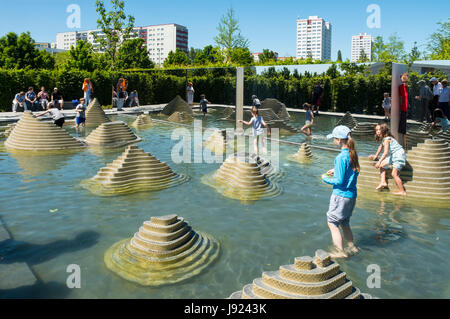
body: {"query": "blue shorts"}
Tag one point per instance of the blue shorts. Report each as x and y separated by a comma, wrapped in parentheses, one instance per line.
(205, 110)
(340, 211)
(80, 120)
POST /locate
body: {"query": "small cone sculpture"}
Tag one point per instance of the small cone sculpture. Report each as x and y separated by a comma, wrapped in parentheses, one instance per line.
(307, 278)
(134, 171)
(364, 129)
(112, 134)
(165, 250)
(217, 142)
(182, 117)
(228, 111)
(142, 121)
(244, 179)
(95, 115)
(31, 134)
(348, 121)
(304, 154)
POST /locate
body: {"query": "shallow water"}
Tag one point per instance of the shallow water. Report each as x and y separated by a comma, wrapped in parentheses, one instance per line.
(55, 222)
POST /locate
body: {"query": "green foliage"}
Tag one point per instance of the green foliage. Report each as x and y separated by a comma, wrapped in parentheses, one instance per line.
(339, 56)
(392, 51)
(332, 71)
(353, 68)
(209, 55)
(241, 56)
(267, 56)
(439, 43)
(81, 57)
(133, 55)
(19, 52)
(178, 58)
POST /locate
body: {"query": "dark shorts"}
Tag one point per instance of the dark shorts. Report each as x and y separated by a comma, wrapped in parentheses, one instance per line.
(445, 108)
(60, 122)
(402, 123)
(316, 100)
(205, 110)
(80, 120)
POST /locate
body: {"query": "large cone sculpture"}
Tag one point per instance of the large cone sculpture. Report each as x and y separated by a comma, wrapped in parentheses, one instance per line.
(95, 115)
(177, 105)
(307, 278)
(111, 135)
(134, 171)
(31, 134)
(165, 250)
(347, 120)
(364, 129)
(277, 107)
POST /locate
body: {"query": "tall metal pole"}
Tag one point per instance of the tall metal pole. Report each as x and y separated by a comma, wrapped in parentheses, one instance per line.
(397, 71)
(239, 98)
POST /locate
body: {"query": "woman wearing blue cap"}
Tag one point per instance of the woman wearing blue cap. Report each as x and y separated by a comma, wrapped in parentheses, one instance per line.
(344, 178)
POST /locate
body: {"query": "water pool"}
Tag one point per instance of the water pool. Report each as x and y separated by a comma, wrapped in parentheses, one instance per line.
(55, 222)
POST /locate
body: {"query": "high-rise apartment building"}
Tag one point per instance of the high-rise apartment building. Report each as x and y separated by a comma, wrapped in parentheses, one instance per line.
(361, 43)
(313, 38)
(158, 39)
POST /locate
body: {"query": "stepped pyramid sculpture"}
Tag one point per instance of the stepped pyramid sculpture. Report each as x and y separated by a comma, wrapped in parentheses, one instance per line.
(32, 134)
(268, 115)
(415, 137)
(134, 171)
(348, 121)
(9, 129)
(165, 250)
(304, 154)
(142, 121)
(218, 142)
(283, 126)
(277, 107)
(180, 117)
(228, 111)
(307, 278)
(244, 179)
(364, 129)
(446, 136)
(247, 116)
(112, 134)
(95, 115)
(177, 105)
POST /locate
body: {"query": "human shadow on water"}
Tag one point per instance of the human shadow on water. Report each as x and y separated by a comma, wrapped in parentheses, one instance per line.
(13, 251)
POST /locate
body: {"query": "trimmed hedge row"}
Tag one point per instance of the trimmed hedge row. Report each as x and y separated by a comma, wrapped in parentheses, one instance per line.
(354, 93)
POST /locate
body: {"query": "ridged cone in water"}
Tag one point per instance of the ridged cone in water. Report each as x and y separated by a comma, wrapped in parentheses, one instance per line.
(182, 117)
(446, 136)
(32, 134)
(165, 250)
(415, 137)
(9, 128)
(112, 134)
(134, 171)
(304, 153)
(217, 143)
(177, 105)
(95, 115)
(425, 177)
(268, 115)
(244, 179)
(347, 120)
(307, 278)
(228, 111)
(143, 121)
(277, 107)
(364, 129)
(283, 126)
(247, 116)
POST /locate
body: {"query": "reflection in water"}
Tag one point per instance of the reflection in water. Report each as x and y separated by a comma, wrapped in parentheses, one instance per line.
(389, 229)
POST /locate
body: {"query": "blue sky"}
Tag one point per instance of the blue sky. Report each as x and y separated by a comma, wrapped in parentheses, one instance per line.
(267, 24)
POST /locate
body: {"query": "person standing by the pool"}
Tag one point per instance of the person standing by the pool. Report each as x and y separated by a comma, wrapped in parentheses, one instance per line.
(444, 98)
(190, 93)
(393, 154)
(122, 94)
(437, 89)
(88, 90)
(256, 102)
(257, 123)
(317, 96)
(387, 106)
(424, 97)
(403, 93)
(344, 178)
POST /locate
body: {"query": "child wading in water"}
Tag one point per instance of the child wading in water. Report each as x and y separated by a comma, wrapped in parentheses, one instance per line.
(204, 104)
(393, 154)
(309, 119)
(80, 117)
(57, 115)
(344, 178)
(257, 122)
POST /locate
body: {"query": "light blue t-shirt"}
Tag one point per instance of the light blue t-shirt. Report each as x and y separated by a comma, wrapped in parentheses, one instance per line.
(394, 146)
(256, 122)
(345, 178)
(445, 124)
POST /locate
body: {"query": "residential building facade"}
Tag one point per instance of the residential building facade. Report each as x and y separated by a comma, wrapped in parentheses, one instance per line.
(361, 43)
(314, 39)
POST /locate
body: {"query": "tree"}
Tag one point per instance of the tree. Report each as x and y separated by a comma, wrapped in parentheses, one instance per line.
(414, 55)
(193, 54)
(115, 27)
(266, 56)
(176, 58)
(439, 43)
(229, 36)
(133, 55)
(19, 52)
(353, 68)
(363, 56)
(208, 55)
(332, 71)
(241, 56)
(339, 56)
(81, 57)
(392, 51)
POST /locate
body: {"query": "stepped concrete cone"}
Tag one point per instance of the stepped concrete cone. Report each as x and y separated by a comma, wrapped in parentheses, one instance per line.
(228, 111)
(134, 171)
(142, 121)
(95, 115)
(182, 117)
(32, 134)
(415, 137)
(217, 142)
(8, 129)
(347, 120)
(177, 105)
(111, 135)
(277, 107)
(304, 155)
(307, 278)
(244, 178)
(364, 129)
(165, 250)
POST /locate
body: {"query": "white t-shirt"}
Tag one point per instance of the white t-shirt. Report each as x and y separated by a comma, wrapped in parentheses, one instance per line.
(437, 89)
(56, 114)
(445, 95)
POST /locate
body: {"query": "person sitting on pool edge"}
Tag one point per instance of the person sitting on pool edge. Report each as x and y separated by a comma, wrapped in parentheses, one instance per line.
(57, 115)
(439, 117)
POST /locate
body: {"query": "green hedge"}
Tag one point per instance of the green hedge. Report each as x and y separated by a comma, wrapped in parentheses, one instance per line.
(354, 93)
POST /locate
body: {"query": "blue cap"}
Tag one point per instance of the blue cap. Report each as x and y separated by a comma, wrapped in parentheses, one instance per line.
(342, 132)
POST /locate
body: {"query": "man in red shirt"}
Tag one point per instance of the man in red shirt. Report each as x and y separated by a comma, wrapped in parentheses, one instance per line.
(403, 93)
